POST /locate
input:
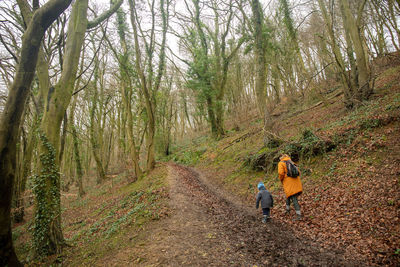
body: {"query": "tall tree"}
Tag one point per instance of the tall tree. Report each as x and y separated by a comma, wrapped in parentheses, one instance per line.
(48, 237)
(294, 53)
(339, 61)
(11, 116)
(259, 54)
(211, 54)
(353, 27)
(95, 133)
(42, 74)
(77, 154)
(127, 80)
(149, 78)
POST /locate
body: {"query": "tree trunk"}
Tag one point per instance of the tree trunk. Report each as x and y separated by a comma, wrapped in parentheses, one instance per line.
(48, 238)
(126, 92)
(340, 65)
(131, 139)
(259, 53)
(11, 117)
(298, 59)
(144, 88)
(26, 170)
(146, 82)
(151, 160)
(42, 72)
(219, 118)
(351, 25)
(79, 172)
(63, 137)
(394, 20)
(96, 150)
(77, 157)
(211, 116)
(353, 73)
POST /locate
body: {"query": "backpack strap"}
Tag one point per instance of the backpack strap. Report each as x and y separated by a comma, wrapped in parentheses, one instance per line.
(286, 165)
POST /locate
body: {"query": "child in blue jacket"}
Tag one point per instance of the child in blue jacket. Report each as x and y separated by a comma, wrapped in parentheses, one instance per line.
(266, 199)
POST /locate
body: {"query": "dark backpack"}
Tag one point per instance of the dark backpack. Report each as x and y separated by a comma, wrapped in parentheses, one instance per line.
(292, 170)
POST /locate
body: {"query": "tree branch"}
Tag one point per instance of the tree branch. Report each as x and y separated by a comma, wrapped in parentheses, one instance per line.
(104, 16)
(8, 49)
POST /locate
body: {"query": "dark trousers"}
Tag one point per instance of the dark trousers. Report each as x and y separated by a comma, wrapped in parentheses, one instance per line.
(266, 211)
(295, 202)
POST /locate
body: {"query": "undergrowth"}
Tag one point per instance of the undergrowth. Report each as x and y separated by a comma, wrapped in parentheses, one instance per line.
(304, 146)
(242, 164)
(135, 205)
(347, 159)
(191, 152)
(106, 219)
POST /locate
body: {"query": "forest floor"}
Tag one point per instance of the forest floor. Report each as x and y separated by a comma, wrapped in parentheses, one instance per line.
(351, 194)
(204, 215)
(209, 227)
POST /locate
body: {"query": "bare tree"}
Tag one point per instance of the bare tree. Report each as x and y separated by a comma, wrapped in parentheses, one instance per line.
(149, 78)
(10, 119)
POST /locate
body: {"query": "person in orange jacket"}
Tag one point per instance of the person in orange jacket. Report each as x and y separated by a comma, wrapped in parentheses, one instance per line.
(291, 185)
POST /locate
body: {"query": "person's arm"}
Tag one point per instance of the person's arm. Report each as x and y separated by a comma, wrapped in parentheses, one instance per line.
(281, 170)
(258, 200)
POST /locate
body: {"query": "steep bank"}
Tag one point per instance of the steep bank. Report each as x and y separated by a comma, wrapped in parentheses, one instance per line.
(351, 194)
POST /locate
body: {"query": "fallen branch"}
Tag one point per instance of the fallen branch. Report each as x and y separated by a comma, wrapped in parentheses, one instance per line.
(274, 136)
(241, 138)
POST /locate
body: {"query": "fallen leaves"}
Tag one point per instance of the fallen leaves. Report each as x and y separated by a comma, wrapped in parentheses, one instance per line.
(361, 207)
(258, 243)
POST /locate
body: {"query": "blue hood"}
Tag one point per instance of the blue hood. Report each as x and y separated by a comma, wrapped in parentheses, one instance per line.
(261, 186)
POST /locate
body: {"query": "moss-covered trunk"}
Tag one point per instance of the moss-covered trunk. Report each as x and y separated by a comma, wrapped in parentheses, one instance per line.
(48, 238)
(79, 171)
(94, 134)
(259, 54)
(126, 88)
(77, 156)
(132, 144)
(26, 163)
(151, 158)
(11, 118)
(149, 87)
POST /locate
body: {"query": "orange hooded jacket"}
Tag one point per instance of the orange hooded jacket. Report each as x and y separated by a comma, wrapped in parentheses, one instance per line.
(291, 186)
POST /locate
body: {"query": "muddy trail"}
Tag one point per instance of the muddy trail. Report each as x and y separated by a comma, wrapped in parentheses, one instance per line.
(208, 227)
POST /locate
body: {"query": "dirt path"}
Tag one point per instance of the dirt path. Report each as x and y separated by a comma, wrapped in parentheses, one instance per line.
(207, 228)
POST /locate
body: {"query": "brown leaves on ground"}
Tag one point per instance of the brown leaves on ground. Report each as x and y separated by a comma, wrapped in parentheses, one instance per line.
(351, 197)
(356, 204)
(270, 244)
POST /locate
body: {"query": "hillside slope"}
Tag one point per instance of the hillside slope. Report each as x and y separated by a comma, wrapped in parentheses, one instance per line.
(100, 227)
(208, 227)
(350, 162)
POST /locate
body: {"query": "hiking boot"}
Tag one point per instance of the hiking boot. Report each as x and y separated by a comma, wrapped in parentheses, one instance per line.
(265, 218)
